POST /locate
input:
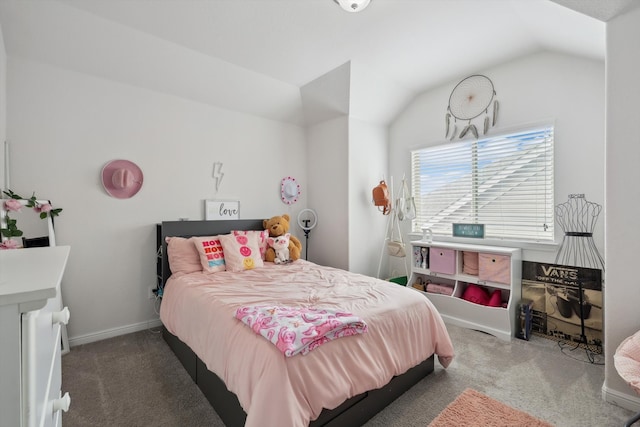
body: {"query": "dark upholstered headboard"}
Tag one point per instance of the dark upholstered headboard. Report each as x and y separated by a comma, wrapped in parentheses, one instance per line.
(200, 228)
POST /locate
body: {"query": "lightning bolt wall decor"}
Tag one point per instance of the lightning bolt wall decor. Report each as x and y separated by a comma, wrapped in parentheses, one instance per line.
(217, 174)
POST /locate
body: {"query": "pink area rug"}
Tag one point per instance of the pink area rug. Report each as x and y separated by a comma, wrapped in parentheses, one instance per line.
(474, 409)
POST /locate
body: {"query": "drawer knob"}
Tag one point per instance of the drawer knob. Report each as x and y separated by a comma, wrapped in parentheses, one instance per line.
(62, 404)
(61, 316)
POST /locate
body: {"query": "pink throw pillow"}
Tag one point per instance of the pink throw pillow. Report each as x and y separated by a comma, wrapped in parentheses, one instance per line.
(476, 294)
(241, 252)
(263, 235)
(211, 253)
(496, 299)
(470, 263)
(183, 256)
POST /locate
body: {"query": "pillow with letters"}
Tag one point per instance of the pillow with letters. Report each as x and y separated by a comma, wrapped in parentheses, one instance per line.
(211, 253)
(241, 252)
(263, 235)
(182, 255)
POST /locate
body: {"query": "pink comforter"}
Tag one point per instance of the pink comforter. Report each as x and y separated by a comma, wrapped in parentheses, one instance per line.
(404, 328)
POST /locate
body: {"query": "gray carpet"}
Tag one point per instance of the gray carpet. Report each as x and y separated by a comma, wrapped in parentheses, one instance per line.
(135, 380)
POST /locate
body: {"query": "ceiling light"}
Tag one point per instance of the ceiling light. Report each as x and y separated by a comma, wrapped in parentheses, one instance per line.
(353, 5)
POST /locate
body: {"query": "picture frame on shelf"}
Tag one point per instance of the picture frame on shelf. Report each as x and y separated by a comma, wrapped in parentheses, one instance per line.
(216, 210)
(468, 230)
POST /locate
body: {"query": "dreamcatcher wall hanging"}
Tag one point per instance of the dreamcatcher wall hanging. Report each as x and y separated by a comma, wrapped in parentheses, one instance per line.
(474, 97)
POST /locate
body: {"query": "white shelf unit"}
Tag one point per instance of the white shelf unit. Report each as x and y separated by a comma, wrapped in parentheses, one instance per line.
(498, 321)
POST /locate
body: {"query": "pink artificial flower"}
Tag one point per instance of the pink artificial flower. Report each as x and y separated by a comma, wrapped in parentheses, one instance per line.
(12, 205)
(9, 244)
(45, 207)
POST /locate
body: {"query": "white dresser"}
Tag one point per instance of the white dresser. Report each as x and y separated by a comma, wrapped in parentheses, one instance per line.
(31, 316)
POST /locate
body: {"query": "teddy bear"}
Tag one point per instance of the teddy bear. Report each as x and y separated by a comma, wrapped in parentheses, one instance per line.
(279, 226)
(281, 245)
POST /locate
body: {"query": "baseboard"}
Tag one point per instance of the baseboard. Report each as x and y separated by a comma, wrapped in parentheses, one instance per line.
(110, 333)
(615, 397)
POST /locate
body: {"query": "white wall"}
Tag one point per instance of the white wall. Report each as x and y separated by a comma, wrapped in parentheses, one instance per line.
(623, 198)
(347, 157)
(327, 169)
(566, 90)
(64, 126)
(374, 96)
(3, 107)
(368, 150)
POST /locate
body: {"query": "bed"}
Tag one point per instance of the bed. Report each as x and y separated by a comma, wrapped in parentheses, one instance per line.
(343, 382)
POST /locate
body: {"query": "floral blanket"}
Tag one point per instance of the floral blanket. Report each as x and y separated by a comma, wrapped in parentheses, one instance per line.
(298, 330)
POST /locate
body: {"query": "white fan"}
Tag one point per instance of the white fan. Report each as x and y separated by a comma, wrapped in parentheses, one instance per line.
(307, 220)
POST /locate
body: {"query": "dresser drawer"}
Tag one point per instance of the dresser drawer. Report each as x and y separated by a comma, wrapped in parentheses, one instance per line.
(494, 268)
(50, 416)
(442, 260)
(41, 344)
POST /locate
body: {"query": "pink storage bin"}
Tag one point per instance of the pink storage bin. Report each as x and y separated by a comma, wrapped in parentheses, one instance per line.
(470, 263)
(442, 260)
(436, 288)
(494, 268)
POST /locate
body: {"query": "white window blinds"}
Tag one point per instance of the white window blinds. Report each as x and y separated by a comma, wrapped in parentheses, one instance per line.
(504, 182)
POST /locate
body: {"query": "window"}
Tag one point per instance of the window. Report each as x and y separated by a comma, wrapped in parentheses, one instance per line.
(504, 182)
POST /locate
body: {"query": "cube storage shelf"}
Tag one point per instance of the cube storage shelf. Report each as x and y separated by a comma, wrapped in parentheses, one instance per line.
(456, 266)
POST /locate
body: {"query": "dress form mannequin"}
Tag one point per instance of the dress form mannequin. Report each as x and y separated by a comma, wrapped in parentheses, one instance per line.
(577, 217)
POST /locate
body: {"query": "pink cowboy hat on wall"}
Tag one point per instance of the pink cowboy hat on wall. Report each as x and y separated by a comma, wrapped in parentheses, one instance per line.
(121, 179)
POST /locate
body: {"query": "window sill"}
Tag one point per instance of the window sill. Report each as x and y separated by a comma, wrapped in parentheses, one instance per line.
(537, 246)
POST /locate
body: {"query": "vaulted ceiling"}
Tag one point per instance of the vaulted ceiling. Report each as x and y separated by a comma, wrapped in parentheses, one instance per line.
(255, 55)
